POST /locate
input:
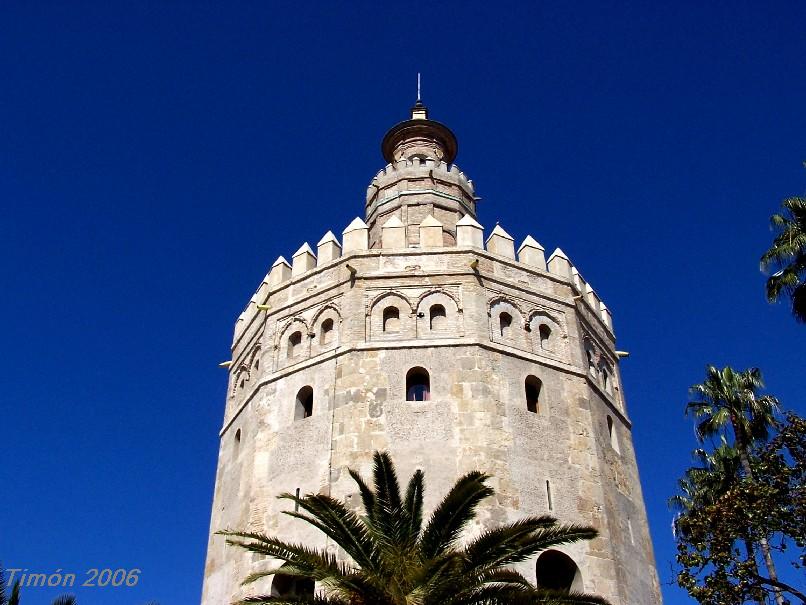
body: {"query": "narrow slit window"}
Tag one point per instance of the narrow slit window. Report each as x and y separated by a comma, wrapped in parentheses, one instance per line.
(548, 495)
(611, 431)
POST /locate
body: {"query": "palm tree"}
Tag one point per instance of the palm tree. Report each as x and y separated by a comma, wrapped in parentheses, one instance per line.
(788, 255)
(14, 597)
(714, 474)
(730, 399)
(394, 560)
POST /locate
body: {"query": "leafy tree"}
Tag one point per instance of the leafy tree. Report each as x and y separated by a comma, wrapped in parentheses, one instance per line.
(395, 560)
(787, 256)
(718, 510)
(730, 400)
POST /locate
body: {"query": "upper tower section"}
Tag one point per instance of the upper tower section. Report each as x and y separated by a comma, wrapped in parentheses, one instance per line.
(419, 180)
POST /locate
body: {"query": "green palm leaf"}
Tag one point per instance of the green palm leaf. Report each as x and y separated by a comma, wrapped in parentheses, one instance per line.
(453, 513)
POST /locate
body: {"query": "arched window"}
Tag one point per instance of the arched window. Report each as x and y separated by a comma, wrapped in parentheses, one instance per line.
(438, 317)
(505, 325)
(545, 335)
(391, 319)
(326, 333)
(533, 386)
(611, 431)
(303, 407)
(291, 586)
(294, 344)
(418, 385)
(237, 441)
(557, 571)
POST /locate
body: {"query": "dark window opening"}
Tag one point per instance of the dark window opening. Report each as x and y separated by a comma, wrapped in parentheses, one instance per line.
(291, 586)
(294, 344)
(304, 404)
(505, 325)
(418, 385)
(557, 571)
(326, 335)
(545, 335)
(391, 319)
(438, 317)
(533, 386)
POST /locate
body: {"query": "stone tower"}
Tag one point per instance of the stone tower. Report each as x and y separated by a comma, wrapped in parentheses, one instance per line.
(413, 334)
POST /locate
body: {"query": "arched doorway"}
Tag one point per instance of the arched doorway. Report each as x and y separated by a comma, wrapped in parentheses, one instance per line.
(557, 571)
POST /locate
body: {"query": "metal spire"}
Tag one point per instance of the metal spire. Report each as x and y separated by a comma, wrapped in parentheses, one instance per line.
(418, 86)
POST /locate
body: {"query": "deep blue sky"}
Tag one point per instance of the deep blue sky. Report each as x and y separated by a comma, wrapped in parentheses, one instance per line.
(156, 158)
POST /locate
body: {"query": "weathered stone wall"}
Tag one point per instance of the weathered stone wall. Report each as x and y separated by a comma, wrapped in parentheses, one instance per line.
(476, 417)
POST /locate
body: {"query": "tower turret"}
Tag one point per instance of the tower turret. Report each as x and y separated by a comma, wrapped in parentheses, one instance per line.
(419, 180)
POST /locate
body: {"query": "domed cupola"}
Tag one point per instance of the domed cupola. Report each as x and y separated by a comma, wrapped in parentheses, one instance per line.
(419, 138)
(419, 180)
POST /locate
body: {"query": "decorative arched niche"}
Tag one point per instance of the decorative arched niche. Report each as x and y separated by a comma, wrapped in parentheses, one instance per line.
(547, 334)
(438, 316)
(293, 344)
(506, 324)
(391, 317)
(326, 330)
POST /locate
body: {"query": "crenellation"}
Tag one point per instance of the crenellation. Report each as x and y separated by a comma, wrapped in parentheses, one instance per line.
(280, 272)
(469, 232)
(303, 260)
(393, 234)
(532, 253)
(502, 243)
(355, 236)
(431, 233)
(558, 264)
(327, 249)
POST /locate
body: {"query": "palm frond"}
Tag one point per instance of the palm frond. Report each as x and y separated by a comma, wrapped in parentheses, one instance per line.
(65, 600)
(367, 497)
(14, 598)
(387, 488)
(413, 503)
(339, 523)
(453, 513)
(517, 547)
(508, 594)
